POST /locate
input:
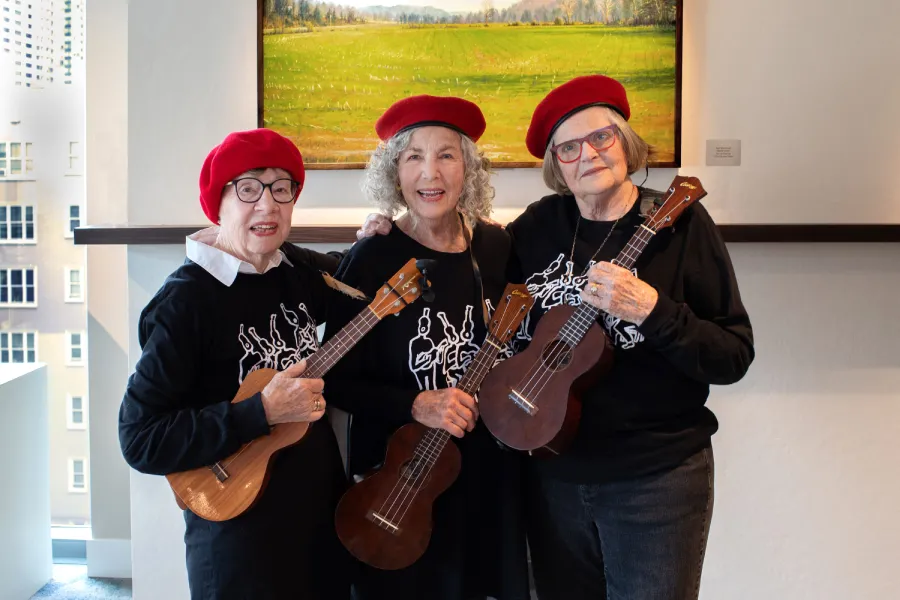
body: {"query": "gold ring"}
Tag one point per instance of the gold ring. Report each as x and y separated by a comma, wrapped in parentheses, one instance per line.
(593, 289)
(316, 406)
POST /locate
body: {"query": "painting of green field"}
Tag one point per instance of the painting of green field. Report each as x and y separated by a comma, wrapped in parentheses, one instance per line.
(326, 88)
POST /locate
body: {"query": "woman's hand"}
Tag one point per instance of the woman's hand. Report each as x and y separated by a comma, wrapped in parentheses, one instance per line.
(449, 409)
(376, 224)
(619, 293)
(291, 399)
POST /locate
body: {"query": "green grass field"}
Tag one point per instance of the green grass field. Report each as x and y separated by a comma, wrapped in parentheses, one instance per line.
(326, 89)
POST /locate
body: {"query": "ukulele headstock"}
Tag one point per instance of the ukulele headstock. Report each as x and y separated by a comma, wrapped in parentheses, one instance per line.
(683, 192)
(512, 310)
(404, 287)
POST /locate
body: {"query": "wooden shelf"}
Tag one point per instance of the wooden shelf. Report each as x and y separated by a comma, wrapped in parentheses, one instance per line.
(346, 234)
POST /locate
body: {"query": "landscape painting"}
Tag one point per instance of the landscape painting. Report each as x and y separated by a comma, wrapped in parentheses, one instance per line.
(328, 70)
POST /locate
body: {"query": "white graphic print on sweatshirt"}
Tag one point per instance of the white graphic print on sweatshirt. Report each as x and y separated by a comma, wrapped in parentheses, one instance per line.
(274, 352)
(557, 285)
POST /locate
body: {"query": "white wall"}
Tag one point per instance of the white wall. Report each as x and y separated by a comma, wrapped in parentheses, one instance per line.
(805, 508)
(108, 325)
(25, 555)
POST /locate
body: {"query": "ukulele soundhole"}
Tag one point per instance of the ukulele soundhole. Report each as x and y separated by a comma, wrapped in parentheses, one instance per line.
(413, 471)
(557, 355)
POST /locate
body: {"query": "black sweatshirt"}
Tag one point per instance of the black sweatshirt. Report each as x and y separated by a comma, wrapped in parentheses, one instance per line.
(200, 338)
(648, 413)
(478, 544)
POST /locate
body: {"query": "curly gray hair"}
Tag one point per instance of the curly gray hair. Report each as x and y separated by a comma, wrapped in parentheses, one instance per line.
(381, 181)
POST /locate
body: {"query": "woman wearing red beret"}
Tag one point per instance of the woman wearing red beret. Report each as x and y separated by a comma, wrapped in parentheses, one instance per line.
(624, 513)
(237, 305)
(406, 369)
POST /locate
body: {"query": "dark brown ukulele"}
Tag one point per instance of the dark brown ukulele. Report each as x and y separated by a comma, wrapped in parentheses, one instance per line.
(532, 401)
(228, 488)
(385, 519)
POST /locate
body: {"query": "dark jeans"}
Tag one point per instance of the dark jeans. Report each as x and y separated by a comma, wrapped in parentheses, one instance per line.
(640, 539)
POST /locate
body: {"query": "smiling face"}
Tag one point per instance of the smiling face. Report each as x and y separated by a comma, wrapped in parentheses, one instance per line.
(253, 231)
(594, 173)
(431, 171)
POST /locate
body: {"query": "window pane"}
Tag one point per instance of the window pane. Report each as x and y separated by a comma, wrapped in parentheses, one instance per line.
(18, 356)
(15, 167)
(76, 339)
(15, 213)
(30, 340)
(2, 149)
(76, 402)
(16, 276)
(17, 294)
(29, 213)
(17, 341)
(4, 231)
(31, 356)
(75, 276)
(29, 276)
(76, 354)
(15, 231)
(4, 294)
(15, 150)
(28, 146)
(4, 356)
(2, 213)
(74, 211)
(29, 231)
(77, 417)
(29, 293)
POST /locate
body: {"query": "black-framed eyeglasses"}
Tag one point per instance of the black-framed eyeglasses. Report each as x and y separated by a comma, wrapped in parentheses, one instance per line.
(251, 189)
(600, 140)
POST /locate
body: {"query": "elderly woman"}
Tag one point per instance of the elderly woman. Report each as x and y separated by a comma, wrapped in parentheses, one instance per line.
(624, 513)
(406, 369)
(237, 305)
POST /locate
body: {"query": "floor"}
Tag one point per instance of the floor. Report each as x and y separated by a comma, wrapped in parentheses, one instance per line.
(70, 582)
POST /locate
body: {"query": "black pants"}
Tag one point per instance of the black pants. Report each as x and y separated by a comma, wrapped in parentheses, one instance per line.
(639, 539)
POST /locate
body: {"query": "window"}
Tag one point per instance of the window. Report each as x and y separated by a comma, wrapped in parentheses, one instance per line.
(75, 343)
(15, 157)
(74, 162)
(18, 347)
(76, 412)
(77, 475)
(17, 224)
(74, 284)
(17, 287)
(74, 220)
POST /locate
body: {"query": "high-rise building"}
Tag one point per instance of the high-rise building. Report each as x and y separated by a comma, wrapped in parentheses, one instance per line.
(42, 293)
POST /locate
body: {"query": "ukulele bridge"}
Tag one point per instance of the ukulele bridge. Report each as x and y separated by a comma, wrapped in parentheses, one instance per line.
(383, 522)
(523, 403)
(220, 472)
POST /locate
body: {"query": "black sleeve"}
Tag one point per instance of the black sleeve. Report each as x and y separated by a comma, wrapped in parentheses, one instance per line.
(354, 384)
(708, 337)
(158, 431)
(327, 262)
(513, 265)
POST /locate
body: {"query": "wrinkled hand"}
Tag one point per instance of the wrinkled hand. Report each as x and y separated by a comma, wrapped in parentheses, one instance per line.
(290, 399)
(449, 409)
(376, 224)
(619, 293)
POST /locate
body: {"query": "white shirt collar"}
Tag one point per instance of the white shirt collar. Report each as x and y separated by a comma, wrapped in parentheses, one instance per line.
(225, 267)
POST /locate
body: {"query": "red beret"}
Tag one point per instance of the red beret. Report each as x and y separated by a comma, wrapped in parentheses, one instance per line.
(419, 111)
(244, 151)
(566, 100)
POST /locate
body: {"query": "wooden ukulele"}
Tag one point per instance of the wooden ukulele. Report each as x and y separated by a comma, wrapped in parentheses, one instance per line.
(228, 488)
(532, 401)
(385, 520)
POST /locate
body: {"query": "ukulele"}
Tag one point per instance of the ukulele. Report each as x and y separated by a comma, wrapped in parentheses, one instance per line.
(229, 487)
(532, 401)
(385, 520)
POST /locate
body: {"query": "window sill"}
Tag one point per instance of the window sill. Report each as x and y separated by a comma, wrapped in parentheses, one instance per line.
(17, 305)
(74, 364)
(74, 300)
(18, 242)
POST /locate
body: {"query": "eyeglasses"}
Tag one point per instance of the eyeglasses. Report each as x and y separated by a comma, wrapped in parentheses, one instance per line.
(251, 189)
(600, 140)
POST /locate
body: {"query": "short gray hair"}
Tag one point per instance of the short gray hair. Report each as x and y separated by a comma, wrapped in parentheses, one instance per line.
(637, 153)
(382, 180)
